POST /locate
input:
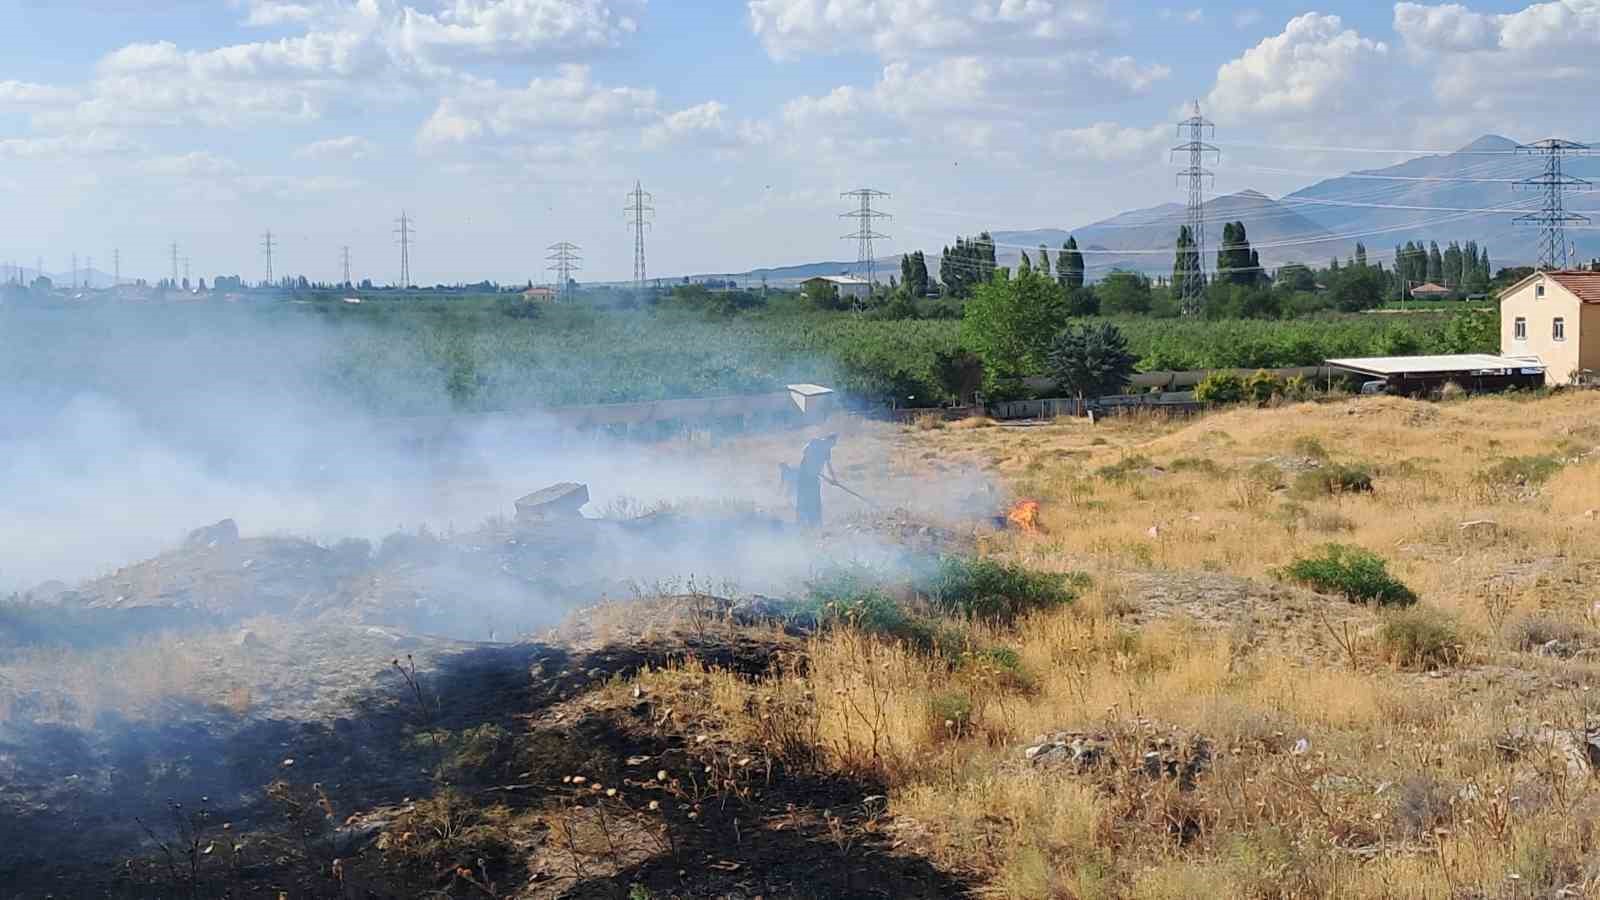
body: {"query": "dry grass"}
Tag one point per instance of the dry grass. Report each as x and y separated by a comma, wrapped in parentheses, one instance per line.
(1405, 784)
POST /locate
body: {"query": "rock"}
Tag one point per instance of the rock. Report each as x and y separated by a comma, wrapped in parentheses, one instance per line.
(1301, 747)
(247, 640)
(216, 535)
(1155, 531)
(558, 501)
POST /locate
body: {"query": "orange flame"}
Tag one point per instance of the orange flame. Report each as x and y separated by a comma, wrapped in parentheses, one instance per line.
(1024, 516)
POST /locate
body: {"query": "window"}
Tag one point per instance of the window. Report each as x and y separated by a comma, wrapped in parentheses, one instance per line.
(1519, 329)
(1558, 329)
(1538, 289)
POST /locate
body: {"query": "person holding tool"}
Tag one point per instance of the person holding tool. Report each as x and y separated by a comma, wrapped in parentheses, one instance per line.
(816, 463)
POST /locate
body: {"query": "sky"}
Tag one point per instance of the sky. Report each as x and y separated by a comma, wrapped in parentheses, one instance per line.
(504, 126)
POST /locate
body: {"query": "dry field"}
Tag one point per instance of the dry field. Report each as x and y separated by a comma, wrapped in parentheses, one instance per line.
(1194, 723)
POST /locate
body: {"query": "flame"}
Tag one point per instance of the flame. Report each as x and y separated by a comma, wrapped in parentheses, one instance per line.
(1024, 516)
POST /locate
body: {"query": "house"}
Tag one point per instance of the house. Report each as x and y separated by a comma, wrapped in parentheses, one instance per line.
(1555, 316)
(850, 287)
(1430, 291)
(539, 294)
(1417, 376)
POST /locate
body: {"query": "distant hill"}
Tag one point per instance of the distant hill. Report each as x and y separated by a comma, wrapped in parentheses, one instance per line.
(1142, 240)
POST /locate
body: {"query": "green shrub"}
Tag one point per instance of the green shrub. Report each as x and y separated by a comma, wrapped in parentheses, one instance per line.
(1204, 465)
(1421, 639)
(950, 712)
(1125, 468)
(1333, 479)
(1220, 389)
(1522, 470)
(994, 591)
(1000, 665)
(1308, 446)
(1262, 386)
(1353, 573)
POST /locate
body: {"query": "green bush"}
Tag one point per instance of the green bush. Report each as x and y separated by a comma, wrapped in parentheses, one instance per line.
(1333, 479)
(950, 712)
(1126, 467)
(1421, 639)
(994, 591)
(1202, 464)
(1262, 386)
(1220, 389)
(1522, 470)
(1355, 574)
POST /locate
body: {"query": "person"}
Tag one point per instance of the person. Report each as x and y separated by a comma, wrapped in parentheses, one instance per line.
(815, 461)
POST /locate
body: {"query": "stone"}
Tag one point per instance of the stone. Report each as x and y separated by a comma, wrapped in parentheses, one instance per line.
(558, 501)
(247, 640)
(214, 535)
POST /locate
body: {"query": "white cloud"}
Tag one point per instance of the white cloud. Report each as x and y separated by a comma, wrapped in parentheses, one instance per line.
(350, 147)
(571, 100)
(705, 124)
(510, 28)
(1310, 69)
(1110, 142)
(198, 164)
(902, 28)
(1187, 16)
(272, 12)
(23, 93)
(1245, 18)
(1448, 27)
(93, 143)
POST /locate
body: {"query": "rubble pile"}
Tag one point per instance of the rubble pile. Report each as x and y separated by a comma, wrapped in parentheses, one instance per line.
(1157, 756)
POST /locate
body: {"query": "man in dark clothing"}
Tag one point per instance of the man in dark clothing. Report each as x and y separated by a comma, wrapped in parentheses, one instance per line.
(815, 460)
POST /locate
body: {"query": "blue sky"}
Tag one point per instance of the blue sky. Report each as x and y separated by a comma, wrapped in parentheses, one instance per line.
(506, 125)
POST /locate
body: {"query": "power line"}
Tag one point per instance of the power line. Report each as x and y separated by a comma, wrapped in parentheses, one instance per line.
(266, 247)
(1554, 218)
(639, 213)
(403, 227)
(864, 235)
(564, 260)
(1191, 292)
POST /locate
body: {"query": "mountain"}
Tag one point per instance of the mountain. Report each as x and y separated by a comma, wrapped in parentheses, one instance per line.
(1469, 194)
(1142, 240)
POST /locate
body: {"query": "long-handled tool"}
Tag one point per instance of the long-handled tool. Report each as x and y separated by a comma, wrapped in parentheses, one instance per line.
(848, 491)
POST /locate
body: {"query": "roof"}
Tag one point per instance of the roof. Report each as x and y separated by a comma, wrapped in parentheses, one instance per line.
(840, 279)
(1416, 365)
(1430, 288)
(809, 390)
(1580, 283)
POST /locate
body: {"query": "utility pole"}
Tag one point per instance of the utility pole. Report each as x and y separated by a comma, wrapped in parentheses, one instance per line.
(266, 248)
(1553, 218)
(864, 235)
(564, 260)
(403, 229)
(174, 263)
(347, 266)
(1192, 292)
(639, 215)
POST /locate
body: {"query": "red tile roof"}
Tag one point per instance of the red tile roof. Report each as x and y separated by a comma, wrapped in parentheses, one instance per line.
(1583, 285)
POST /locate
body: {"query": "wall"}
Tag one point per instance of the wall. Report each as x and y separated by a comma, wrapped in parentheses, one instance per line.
(1560, 358)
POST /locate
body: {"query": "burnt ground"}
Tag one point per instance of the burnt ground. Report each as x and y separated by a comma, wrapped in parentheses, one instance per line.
(453, 782)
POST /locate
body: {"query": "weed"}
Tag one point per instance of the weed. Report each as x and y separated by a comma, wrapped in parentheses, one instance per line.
(1355, 574)
(1422, 639)
(950, 713)
(1203, 465)
(1518, 471)
(992, 591)
(1331, 480)
(1536, 631)
(1126, 468)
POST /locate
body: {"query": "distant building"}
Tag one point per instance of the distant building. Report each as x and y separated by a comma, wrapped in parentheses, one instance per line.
(1554, 316)
(1431, 291)
(540, 294)
(850, 287)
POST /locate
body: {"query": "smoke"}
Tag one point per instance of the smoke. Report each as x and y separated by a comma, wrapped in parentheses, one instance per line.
(127, 426)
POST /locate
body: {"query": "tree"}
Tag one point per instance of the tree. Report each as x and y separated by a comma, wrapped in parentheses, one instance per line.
(1091, 360)
(1435, 263)
(821, 293)
(1124, 293)
(1026, 265)
(1355, 289)
(918, 282)
(1452, 266)
(1296, 277)
(1069, 265)
(1361, 254)
(1044, 260)
(1186, 263)
(960, 373)
(1009, 323)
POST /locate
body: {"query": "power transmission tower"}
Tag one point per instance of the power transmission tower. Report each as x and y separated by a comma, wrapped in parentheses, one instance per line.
(174, 263)
(186, 270)
(1192, 291)
(639, 212)
(403, 228)
(564, 261)
(347, 265)
(1553, 218)
(865, 215)
(266, 248)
